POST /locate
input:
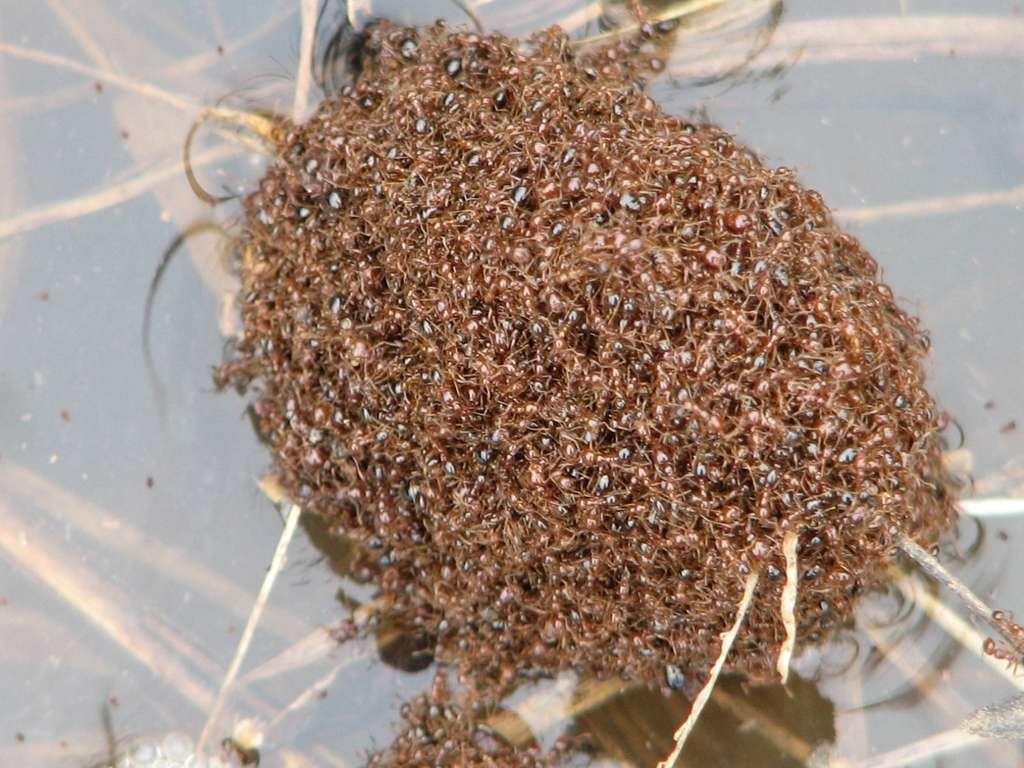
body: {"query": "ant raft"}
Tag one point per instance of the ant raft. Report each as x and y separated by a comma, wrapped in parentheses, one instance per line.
(595, 388)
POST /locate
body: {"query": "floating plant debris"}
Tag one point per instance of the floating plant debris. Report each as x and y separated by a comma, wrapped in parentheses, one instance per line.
(571, 368)
(1004, 720)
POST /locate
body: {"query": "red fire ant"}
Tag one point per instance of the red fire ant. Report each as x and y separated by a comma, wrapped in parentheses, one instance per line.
(1011, 651)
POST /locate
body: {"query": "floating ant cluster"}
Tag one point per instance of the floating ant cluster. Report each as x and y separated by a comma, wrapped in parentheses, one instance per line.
(571, 368)
(436, 731)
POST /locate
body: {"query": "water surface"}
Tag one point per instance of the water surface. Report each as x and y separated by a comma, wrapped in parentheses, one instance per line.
(134, 540)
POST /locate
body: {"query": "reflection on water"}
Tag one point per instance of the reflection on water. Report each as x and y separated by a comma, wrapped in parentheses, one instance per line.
(771, 724)
(132, 548)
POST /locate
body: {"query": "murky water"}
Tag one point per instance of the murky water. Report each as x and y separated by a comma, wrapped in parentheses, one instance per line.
(134, 539)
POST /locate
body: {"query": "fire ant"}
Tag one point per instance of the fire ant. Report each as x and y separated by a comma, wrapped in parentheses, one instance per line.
(1012, 651)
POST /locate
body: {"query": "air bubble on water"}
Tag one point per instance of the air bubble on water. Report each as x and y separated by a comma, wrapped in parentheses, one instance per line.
(145, 754)
(177, 746)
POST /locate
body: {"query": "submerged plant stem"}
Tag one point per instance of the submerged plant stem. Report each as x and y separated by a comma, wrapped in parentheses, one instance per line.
(105, 75)
(934, 206)
(254, 618)
(99, 601)
(944, 743)
(996, 506)
(81, 35)
(954, 624)
(937, 571)
(66, 210)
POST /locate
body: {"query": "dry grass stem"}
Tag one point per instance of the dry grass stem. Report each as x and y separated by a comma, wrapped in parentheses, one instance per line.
(309, 650)
(787, 608)
(892, 37)
(60, 97)
(37, 103)
(996, 506)
(581, 17)
(11, 192)
(945, 743)
(465, 7)
(105, 75)
(264, 128)
(1008, 480)
(168, 25)
(358, 11)
(276, 564)
(80, 34)
(312, 694)
(918, 670)
(270, 484)
(728, 637)
(205, 667)
(954, 625)
(304, 78)
(937, 571)
(934, 206)
(200, 61)
(66, 210)
(880, 38)
(31, 633)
